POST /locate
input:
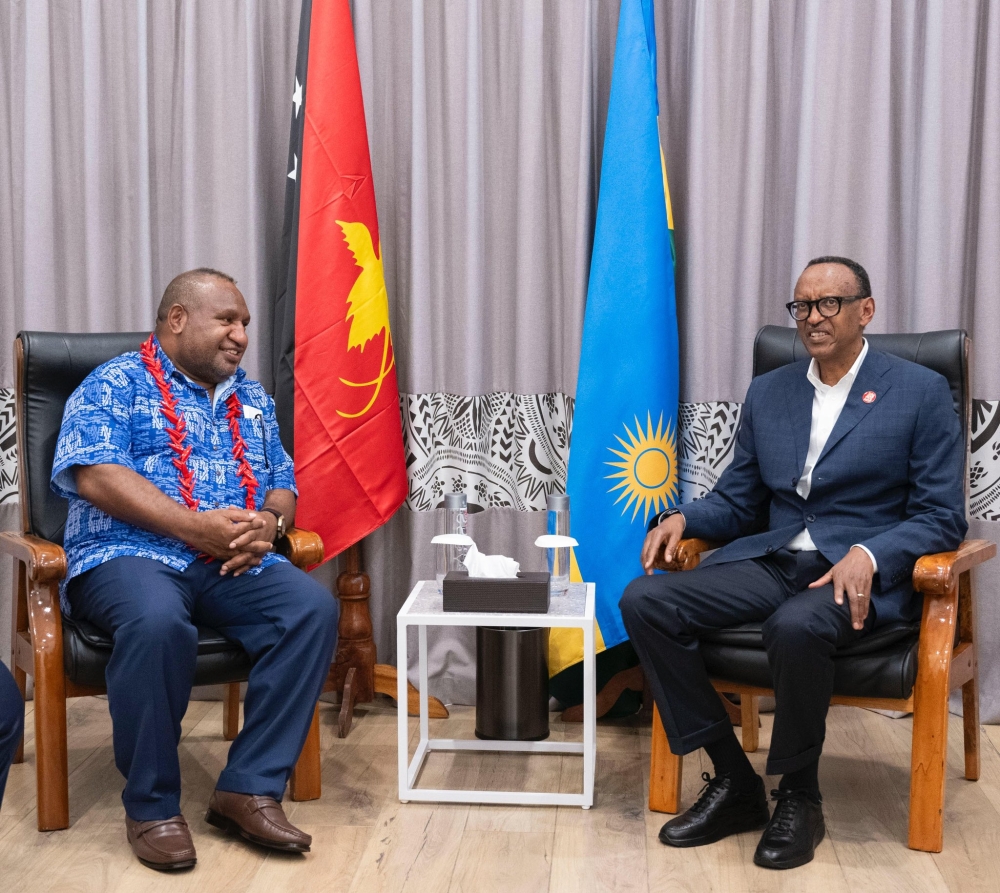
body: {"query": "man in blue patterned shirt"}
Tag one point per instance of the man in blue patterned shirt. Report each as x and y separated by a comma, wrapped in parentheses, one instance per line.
(178, 487)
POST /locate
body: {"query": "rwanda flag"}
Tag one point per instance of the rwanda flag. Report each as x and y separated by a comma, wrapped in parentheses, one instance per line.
(623, 456)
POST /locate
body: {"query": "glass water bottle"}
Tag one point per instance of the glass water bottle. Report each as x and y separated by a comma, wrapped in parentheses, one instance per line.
(558, 524)
(454, 519)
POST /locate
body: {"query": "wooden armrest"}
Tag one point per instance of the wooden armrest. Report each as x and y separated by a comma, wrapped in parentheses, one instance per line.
(686, 556)
(935, 575)
(46, 562)
(303, 548)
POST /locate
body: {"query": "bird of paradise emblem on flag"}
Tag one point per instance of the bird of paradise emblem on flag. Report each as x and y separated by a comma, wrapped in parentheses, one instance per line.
(367, 309)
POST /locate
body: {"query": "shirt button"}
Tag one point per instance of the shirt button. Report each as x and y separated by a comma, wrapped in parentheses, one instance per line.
(795, 481)
(769, 549)
(810, 518)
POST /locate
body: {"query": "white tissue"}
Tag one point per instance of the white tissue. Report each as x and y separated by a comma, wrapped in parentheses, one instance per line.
(480, 565)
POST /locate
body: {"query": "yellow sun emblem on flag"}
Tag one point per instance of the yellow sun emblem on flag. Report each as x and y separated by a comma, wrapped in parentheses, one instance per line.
(648, 476)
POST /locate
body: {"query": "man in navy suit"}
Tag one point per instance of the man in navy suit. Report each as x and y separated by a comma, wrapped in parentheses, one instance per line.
(847, 468)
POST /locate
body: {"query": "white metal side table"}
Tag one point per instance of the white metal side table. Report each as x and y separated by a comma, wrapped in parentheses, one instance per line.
(423, 608)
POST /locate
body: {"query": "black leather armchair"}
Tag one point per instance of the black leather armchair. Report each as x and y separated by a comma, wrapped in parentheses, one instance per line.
(68, 657)
(900, 666)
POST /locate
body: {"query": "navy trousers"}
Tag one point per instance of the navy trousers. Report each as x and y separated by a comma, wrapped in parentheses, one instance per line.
(802, 628)
(11, 723)
(284, 620)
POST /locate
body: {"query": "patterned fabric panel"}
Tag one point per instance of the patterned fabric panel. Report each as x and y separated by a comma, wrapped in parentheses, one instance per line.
(8, 447)
(984, 465)
(450, 446)
(502, 450)
(509, 450)
(707, 435)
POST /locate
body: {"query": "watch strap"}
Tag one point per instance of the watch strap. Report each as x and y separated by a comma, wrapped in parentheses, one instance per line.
(280, 519)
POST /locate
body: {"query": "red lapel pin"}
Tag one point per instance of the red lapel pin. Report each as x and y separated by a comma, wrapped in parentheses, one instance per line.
(868, 397)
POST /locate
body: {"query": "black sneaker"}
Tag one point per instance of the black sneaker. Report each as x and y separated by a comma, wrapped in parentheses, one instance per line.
(795, 830)
(720, 810)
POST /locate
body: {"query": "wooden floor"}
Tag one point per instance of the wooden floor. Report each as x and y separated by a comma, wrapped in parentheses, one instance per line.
(365, 840)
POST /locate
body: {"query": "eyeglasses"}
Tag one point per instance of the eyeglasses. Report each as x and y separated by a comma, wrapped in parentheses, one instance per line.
(827, 307)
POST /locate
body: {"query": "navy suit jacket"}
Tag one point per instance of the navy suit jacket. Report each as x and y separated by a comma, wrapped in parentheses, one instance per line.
(889, 477)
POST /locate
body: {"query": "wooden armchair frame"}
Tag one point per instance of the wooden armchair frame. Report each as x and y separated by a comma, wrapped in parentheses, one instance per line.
(37, 648)
(946, 660)
(37, 635)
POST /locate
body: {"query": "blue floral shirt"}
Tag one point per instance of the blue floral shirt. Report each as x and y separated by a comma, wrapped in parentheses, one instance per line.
(114, 417)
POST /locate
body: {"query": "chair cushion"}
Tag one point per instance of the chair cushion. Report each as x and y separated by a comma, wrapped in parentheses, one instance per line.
(748, 635)
(881, 665)
(87, 650)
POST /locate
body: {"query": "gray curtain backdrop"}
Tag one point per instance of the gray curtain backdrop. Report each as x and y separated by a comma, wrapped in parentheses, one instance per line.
(138, 140)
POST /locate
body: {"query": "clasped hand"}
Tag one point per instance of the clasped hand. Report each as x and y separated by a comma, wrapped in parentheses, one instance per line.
(237, 537)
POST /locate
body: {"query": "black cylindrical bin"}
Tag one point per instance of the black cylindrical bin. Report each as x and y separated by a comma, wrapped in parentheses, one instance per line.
(512, 683)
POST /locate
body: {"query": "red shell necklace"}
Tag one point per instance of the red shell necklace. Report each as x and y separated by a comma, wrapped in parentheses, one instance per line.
(177, 431)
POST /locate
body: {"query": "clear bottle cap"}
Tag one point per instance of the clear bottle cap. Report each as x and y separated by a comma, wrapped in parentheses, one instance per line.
(557, 502)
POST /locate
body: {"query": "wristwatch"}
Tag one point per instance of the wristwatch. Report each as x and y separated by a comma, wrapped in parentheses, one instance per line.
(281, 522)
(664, 515)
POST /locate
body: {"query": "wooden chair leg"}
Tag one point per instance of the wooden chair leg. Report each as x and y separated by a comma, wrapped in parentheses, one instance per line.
(970, 723)
(51, 762)
(231, 711)
(306, 781)
(970, 690)
(930, 722)
(21, 679)
(750, 722)
(665, 769)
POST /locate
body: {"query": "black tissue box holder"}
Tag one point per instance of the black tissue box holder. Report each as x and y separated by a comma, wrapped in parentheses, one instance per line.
(527, 593)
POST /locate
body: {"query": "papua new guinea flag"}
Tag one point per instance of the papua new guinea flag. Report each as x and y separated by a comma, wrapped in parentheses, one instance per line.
(335, 375)
(623, 456)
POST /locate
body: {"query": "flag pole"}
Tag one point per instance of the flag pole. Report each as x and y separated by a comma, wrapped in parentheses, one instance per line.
(355, 672)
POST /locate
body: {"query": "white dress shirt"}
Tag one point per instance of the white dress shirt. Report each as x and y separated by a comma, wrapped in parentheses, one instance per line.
(828, 403)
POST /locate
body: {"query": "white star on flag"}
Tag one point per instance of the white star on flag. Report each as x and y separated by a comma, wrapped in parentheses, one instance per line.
(297, 97)
(293, 173)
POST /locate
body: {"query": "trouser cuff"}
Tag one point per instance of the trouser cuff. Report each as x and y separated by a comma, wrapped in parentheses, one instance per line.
(687, 743)
(792, 764)
(242, 783)
(153, 811)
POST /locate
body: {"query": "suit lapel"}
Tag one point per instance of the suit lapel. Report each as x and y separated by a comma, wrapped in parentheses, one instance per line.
(798, 407)
(870, 379)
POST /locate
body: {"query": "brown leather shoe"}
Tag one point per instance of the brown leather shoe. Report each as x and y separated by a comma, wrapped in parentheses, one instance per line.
(165, 844)
(259, 819)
